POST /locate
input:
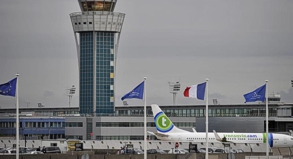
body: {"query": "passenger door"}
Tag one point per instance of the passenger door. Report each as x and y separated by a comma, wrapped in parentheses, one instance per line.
(285, 141)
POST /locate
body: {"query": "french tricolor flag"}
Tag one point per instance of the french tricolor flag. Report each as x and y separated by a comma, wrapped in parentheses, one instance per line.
(195, 91)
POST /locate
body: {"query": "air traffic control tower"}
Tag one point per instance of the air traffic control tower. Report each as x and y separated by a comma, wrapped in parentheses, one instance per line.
(97, 32)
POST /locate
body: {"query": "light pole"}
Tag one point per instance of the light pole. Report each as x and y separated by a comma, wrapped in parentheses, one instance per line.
(70, 93)
(49, 132)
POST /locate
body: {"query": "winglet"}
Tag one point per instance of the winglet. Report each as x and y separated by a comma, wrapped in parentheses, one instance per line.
(217, 136)
(194, 130)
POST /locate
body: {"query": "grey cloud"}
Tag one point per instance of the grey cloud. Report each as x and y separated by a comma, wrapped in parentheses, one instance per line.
(48, 94)
(236, 44)
(216, 96)
(287, 96)
(208, 28)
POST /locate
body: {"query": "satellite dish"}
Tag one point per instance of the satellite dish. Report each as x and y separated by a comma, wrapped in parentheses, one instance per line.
(125, 103)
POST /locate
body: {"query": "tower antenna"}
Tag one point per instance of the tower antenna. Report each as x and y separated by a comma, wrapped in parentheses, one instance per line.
(174, 87)
(70, 93)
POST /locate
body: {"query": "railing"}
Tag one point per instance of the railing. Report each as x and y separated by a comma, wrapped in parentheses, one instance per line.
(96, 13)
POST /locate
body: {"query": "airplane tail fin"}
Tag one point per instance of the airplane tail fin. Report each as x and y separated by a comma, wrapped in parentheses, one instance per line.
(163, 123)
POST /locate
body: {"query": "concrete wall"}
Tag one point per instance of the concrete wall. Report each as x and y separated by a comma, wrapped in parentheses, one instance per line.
(117, 131)
(78, 131)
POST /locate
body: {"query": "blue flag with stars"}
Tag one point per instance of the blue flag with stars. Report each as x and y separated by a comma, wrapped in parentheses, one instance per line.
(257, 95)
(137, 92)
(9, 88)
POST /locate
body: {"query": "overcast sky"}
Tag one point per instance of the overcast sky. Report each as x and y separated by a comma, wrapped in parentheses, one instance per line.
(236, 44)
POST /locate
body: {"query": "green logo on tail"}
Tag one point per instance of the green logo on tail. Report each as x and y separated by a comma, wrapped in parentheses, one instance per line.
(163, 123)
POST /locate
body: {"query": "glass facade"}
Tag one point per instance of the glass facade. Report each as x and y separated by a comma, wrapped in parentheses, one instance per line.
(97, 6)
(34, 128)
(86, 72)
(97, 72)
(200, 112)
(74, 124)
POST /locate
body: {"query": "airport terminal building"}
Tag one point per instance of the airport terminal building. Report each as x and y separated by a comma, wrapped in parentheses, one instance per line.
(127, 122)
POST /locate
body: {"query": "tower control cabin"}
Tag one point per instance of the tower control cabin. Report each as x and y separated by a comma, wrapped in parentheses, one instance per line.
(97, 32)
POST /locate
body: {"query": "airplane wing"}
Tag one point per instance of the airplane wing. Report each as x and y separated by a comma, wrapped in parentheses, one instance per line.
(158, 134)
(218, 138)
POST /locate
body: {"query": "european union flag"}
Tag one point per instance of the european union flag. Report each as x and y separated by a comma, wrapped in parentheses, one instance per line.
(137, 92)
(9, 88)
(256, 95)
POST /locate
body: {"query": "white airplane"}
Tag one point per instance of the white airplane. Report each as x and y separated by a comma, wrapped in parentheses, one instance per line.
(167, 131)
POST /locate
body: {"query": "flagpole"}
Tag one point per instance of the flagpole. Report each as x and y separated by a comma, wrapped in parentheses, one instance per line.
(17, 118)
(267, 119)
(145, 130)
(207, 117)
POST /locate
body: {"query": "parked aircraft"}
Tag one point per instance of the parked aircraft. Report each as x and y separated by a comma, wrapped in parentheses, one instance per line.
(167, 131)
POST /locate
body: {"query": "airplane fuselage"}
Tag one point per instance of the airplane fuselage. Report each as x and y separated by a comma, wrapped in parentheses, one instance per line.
(167, 131)
(274, 140)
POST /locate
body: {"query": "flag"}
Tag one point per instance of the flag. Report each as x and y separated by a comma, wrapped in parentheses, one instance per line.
(195, 91)
(257, 95)
(9, 88)
(137, 92)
